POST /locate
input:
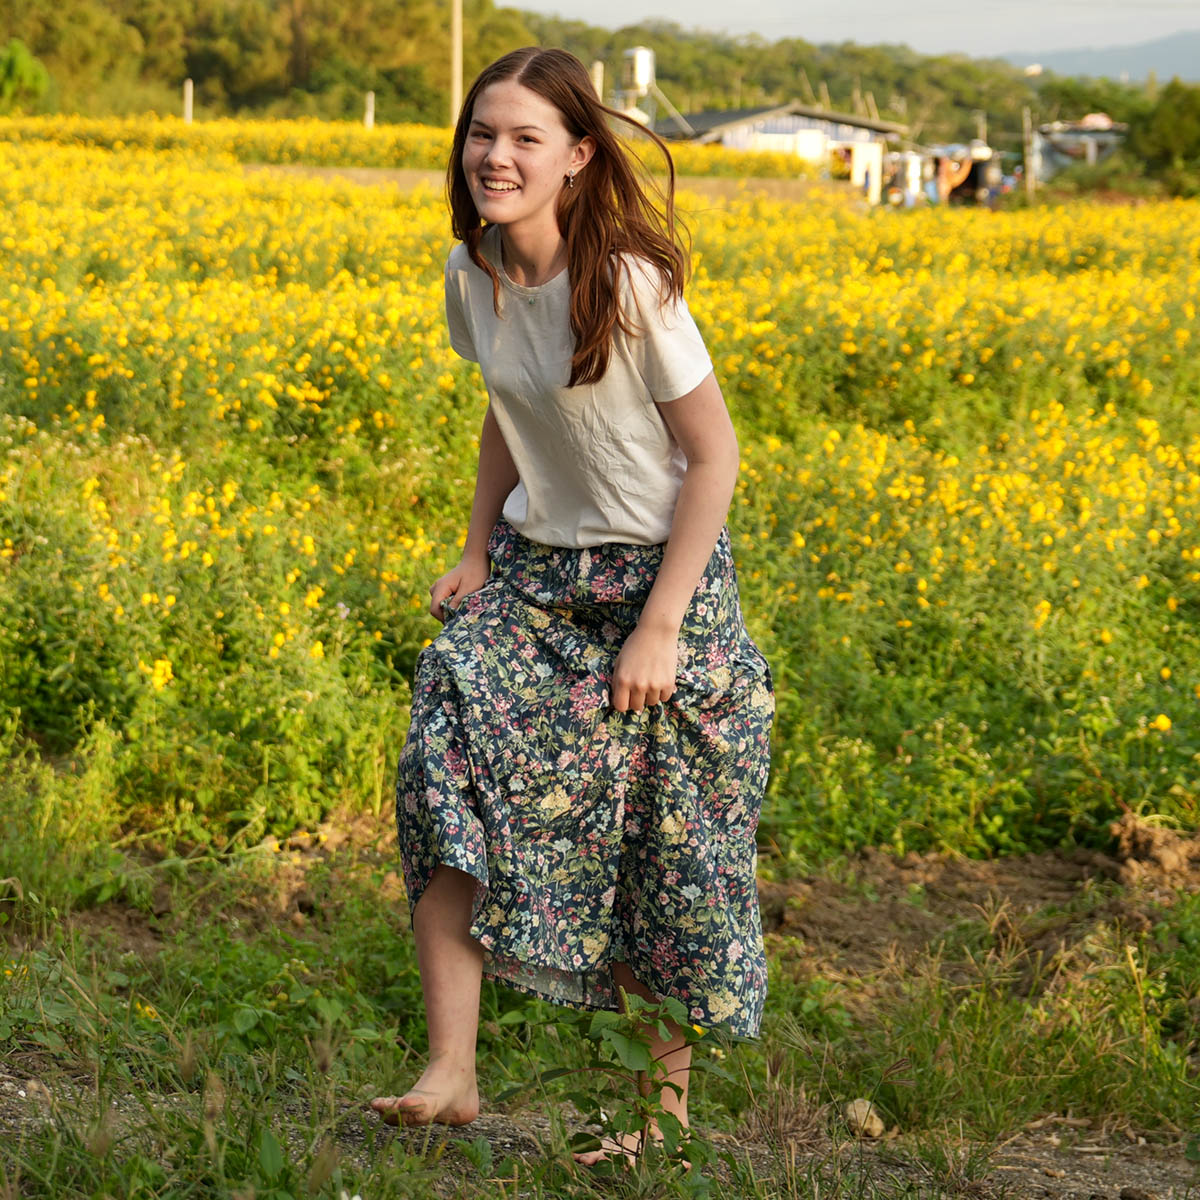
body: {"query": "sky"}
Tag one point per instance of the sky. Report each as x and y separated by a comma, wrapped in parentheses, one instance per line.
(974, 27)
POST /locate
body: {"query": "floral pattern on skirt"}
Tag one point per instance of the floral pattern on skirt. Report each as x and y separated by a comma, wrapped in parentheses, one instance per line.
(594, 836)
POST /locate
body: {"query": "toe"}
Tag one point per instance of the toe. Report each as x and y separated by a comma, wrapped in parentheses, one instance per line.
(393, 1108)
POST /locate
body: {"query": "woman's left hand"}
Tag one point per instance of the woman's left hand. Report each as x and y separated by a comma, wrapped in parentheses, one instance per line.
(644, 673)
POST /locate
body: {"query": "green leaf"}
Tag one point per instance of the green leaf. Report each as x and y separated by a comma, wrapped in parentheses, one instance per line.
(47, 1038)
(602, 1020)
(706, 1064)
(670, 1126)
(633, 1053)
(675, 1009)
(270, 1155)
(478, 1152)
(245, 1020)
(555, 1073)
(328, 1008)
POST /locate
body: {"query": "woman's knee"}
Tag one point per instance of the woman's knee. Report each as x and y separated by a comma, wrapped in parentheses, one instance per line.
(448, 890)
(624, 977)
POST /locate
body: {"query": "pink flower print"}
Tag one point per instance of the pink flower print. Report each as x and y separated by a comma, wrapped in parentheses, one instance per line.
(582, 700)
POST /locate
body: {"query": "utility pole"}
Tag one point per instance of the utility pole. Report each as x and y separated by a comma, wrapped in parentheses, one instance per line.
(456, 60)
(1027, 135)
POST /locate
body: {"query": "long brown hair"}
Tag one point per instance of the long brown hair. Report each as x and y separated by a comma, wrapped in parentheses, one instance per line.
(615, 208)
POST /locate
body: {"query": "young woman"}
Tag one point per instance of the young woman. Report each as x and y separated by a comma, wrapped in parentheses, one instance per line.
(580, 788)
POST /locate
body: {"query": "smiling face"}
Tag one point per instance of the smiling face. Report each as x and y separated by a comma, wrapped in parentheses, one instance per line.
(516, 157)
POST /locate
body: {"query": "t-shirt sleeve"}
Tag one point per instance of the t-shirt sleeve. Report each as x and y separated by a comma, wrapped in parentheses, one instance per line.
(456, 310)
(666, 347)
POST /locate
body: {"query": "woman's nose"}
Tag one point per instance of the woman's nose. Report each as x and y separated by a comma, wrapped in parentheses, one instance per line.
(497, 151)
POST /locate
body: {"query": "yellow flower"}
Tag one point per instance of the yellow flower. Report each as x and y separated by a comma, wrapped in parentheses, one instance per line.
(317, 651)
(1162, 723)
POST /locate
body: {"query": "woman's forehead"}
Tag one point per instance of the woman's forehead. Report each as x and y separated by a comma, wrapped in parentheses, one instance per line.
(511, 105)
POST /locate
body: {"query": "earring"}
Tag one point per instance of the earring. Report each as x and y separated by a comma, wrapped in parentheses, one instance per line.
(570, 179)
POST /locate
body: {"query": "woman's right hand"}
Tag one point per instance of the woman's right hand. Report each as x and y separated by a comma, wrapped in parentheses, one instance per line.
(456, 585)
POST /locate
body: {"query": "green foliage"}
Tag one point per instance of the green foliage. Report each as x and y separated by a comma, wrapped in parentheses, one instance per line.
(23, 79)
(1120, 172)
(317, 58)
(228, 1047)
(608, 1092)
(56, 826)
(1167, 137)
(1068, 99)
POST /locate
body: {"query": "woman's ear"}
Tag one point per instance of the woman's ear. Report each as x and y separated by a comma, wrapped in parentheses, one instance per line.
(582, 151)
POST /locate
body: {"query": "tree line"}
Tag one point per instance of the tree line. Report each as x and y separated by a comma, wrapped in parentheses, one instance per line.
(290, 58)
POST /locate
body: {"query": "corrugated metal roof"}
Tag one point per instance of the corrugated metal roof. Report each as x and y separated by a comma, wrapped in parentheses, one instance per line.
(710, 123)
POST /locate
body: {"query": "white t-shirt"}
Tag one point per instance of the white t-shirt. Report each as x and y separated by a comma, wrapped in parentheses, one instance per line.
(596, 462)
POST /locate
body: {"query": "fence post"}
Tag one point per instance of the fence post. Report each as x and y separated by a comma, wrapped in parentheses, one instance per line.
(1027, 133)
(187, 101)
(369, 116)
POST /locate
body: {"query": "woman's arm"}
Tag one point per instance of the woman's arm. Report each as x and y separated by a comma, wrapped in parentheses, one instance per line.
(644, 672)
(496, 477)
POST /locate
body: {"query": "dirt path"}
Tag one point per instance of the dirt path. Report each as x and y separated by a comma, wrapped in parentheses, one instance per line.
(1055, 1158)
(853, 924)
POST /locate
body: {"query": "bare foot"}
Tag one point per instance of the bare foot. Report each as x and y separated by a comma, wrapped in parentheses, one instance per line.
(626, 1148)
(626, 1145)
(443, 1095)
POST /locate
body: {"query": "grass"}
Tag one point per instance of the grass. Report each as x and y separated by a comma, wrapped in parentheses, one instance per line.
(217, 1025)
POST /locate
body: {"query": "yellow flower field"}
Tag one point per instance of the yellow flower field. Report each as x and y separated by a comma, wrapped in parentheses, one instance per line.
(340, 143)
(237, 449)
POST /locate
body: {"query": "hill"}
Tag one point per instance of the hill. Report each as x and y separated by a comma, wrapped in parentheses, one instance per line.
(1167, 57)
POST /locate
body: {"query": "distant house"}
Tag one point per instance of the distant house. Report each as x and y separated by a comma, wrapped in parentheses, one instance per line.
(1063, 144)
(813, 134)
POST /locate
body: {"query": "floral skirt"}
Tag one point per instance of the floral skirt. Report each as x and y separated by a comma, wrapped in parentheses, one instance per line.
(594, 836)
